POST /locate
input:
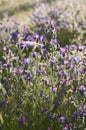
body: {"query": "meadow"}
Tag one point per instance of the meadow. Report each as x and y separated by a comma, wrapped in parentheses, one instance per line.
(42, 65)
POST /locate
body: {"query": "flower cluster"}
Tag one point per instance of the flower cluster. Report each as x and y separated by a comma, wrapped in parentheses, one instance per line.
(42, 76)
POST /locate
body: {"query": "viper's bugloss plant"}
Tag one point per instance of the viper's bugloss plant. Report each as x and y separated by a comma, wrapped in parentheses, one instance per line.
(42, 77)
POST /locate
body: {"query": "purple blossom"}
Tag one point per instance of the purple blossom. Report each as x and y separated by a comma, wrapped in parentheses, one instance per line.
(41, 94)
(29, 38)
(75, 114)
(67, 120)
(15, 35)
(44, 51)
(62, 118)
(47, 81)
(76, 59)
(54, 41)
(47, 97)
(80, 48)
(43, 38)
(21, 70)
(44, 110)
(54, 89)
(55, 103)
(21, 120)
(42, 71)
(27, 76)
(83, 111)
(52, 116)
(54, 31)
(52, 63)
(26, 61)
(15, 70)
(5, 48)
(8, 65)
(66, 127)
(72, 47)
(5, 102)
(82, 89)
(34, 54)
(36, 36)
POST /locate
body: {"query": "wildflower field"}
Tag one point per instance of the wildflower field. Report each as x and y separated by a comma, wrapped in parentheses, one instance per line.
(43, 65)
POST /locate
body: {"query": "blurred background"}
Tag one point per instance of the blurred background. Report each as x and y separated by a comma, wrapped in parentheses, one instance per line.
(21, 10)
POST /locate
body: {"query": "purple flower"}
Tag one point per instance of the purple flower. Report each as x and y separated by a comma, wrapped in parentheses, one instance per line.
(43, 51)
(47, 97)
(54, 41)
(44, 110)
(62, 50)
(76, 59)
(15, 70)
(80, 48)
(73, 47)
(52, 63)
(36, 36)
(15, 34)
(1, 40)
(62, 118)
(42, 71)
(54, 89)
(67, 120)
(84, 70)
(29, 38)
(26, 61)
(83, 112)
(5, 102)
(5, 48)
(34, 54)
(21, 70)
(8, 65)
(75, 114)
(27, 76)
(66, 127)
(43, 38)
(52, 116)
(55, 103)
(54, 31)
(21, 120)
(82, 89)
(41, 94)
(47, 81)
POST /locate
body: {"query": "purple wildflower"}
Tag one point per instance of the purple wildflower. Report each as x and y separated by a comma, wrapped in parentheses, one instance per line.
(82, 89)
(52, 116)
(44, 110)
(34, 54)
(75, 114)
(43, 38)
(5, 48)
(5, 102)
(55, 103)
(47, 81)
(66, 127)
(21, 120)
(62, 118)
(54, 41)
(52, 63)
(54, 89)
(36, 36)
